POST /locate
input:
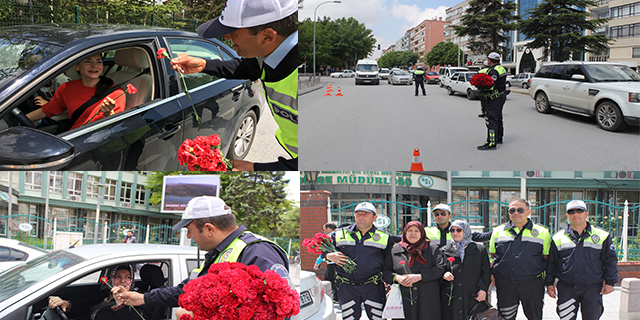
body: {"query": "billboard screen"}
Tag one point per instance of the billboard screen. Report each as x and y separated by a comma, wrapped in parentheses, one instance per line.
(178, 190)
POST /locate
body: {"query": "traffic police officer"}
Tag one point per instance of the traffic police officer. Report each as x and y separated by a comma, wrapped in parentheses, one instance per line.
(582, 257)
(440, 234)
(419, 79)
(483, 101)
(519, 248)
(265, 34)
(212, 225)
(367, 247)
(495, 97)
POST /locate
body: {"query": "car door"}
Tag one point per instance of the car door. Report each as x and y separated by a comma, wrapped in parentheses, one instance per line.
(576, 90)
(455, 83)
(556, 85)
(221, 103)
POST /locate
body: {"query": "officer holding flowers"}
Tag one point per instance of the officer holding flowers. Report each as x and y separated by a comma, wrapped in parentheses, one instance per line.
(584, 261)
(368, 247)
(495, 97)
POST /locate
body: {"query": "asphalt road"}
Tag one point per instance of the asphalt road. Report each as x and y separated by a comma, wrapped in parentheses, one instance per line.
(378, 127)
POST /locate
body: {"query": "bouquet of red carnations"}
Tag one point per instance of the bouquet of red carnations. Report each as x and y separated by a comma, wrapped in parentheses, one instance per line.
(322, 243)
(203, 154)
(232, 290)
(481, 81)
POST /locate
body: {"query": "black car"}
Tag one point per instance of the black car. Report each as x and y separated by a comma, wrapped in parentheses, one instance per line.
(157, 119)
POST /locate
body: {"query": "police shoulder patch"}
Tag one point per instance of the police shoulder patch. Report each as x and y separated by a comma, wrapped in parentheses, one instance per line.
(376, 237)
(612, 247)
(595, 238)
(225, 255)
(535, 232)
(280, 270)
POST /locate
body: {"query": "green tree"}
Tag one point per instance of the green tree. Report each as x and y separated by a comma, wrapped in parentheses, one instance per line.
(558, 26)
(398, 59)
(443, 53)
(485, 22)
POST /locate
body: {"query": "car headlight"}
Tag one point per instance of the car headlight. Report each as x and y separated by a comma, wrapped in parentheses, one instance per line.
(634, 96)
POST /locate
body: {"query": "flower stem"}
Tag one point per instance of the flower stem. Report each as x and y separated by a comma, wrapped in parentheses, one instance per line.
(186, 91)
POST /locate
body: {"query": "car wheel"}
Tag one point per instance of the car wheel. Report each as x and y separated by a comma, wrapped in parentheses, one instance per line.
(450, 91)
(609, 117)
(524, 86)
(440, 84)
(244, 136)
(542, 103)
(508, 84)
(469, 94)
(339, 76)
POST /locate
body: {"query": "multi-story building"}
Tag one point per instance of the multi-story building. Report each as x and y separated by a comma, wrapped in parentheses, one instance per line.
(426, 35)
(403, 44)
(623, 28)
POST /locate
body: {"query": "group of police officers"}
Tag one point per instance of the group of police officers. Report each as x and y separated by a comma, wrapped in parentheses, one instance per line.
(526, 259)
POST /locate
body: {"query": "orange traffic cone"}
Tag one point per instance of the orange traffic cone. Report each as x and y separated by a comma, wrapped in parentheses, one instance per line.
(329, 88)
(328, 92)
(416, 165)
(339, 93)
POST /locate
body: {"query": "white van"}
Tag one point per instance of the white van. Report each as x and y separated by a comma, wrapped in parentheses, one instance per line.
(446, 73)
(367, 72)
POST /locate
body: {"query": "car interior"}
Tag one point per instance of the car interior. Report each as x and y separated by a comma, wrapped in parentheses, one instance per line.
(148, 276)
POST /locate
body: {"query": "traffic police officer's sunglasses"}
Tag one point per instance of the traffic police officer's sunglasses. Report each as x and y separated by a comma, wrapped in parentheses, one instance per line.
(572, 211)
(439, 213)
(513, 210)
(455, 230)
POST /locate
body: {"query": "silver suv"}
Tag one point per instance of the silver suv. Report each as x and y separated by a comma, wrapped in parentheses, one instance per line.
(608, 91)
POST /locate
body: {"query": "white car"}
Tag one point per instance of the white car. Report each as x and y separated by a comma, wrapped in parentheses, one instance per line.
(14, 252)
(343, 74)
(609, 92)
(446, 73)
(461, 82)
(314, 303)
(400, 77)
(383, 73)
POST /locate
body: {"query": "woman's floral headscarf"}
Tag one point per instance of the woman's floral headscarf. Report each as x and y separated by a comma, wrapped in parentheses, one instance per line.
(415, 250)
(466, 237)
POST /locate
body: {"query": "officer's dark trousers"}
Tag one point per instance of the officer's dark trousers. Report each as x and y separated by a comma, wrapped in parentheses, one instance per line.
(352, 297)
(330, 275)
(483, 104)
(421, 83)
(570, 298)
(528, 292)
(493, 118)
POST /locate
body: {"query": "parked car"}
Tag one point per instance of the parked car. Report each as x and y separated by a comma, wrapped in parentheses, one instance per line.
(609, 92)
(14, 252)
(343, 74)
(446, 73)
(314, 303)
(461, 82)
(400, 77)
(74, 274)
(383, 73)
(522, 80)
(432, 77)
(157, 119)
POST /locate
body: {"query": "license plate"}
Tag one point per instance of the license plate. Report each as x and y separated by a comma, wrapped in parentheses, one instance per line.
(305, 299)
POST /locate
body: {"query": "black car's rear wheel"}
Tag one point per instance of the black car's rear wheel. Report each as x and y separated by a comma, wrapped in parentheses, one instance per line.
(244, 136)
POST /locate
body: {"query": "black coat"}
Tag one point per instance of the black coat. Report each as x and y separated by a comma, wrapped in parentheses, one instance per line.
(469, 277)
(425, 293)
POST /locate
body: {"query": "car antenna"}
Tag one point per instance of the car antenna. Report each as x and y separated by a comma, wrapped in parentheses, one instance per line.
(74, 245)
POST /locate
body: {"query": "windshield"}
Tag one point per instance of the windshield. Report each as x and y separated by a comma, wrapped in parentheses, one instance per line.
(606, 73)
(400, 73)
(34, 271)
(19, 55)
(367, 67)
(432, 73)
(469, 76)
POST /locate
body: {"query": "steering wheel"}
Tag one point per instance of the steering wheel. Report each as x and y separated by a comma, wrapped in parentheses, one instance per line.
(54, 314)
(22, 118)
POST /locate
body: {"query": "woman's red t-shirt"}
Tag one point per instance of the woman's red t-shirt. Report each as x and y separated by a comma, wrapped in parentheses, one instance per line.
(73, 94)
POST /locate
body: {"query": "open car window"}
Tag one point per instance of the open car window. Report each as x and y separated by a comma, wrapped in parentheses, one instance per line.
(200, 49)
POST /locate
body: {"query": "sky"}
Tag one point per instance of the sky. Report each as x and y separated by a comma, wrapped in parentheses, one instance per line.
(388, 19)
(294, 185)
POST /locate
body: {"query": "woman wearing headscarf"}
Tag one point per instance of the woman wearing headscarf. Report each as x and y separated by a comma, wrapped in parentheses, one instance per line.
(467, 277)
(104, 306)
(416, 264)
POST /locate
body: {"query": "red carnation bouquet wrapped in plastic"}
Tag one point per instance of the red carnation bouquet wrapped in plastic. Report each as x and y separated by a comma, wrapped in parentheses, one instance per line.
(203, 154)
(481, 81)
(232, 290)
(322, 243)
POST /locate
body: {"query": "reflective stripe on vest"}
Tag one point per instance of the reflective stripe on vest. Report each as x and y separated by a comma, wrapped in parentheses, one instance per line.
(485, 70)
(502, 72)
(433, 233)
(345, 239)
(282, 97)
(564, 242)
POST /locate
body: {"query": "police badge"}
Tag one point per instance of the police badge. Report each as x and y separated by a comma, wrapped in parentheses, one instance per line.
(375, 237)
(225, 255)
(535, 232)
(595, 238)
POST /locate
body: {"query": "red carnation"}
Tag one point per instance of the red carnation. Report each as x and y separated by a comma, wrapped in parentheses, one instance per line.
(451, 259)
(481, 80)
(162, 53)
(131, 89)
(203, 154)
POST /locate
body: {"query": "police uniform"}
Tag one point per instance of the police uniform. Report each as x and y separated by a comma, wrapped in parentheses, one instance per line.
(240, 246)
(495, 97)
(365, 285)
(483, 101)
(519, 267)
(279, 75)
(581, 262)
(419, 78)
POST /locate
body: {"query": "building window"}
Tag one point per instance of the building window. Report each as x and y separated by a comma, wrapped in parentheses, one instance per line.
(636, 52)
(625, 11)
(55, 182)
(74, 184)
(632, 30)
(33, 180)
(92, 187)
(110, 190)
(140, 194)
(125, 194)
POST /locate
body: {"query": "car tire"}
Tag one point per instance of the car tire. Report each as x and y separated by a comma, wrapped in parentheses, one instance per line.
(610, 117)
(340, 76)
(450, 91)
(470, 94)
(440, 84)
(542, 103)
(244, 136)
(525, 86)
(508, 84)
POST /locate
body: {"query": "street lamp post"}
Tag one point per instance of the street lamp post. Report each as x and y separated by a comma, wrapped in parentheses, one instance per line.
(95, 230)
(314, 34)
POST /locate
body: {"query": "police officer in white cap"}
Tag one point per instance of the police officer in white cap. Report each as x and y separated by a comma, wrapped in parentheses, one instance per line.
(495, 97)
(212, 225)
(368, 247)
(265, 34)
(440, 233)
(584, 260)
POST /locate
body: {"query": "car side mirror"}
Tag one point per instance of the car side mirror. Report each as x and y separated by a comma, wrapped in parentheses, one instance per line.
(23, 148)
(578, 77)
